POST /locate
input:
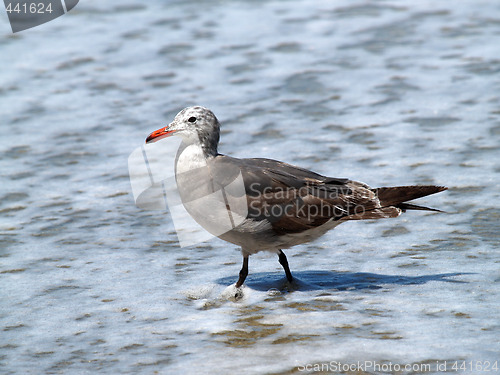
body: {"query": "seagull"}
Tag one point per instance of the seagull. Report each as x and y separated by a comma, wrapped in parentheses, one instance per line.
(284, 205)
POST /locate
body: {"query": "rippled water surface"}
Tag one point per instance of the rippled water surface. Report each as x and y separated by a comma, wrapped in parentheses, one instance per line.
(385, 92)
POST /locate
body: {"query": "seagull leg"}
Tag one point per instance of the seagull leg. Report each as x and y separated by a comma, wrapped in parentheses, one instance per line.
(243, 272)
(284, 263)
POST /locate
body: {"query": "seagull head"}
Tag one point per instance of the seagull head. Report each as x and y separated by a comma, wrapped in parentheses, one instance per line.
(193, 124)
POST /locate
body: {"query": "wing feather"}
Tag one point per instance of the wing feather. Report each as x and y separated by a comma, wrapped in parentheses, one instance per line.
(294, 199)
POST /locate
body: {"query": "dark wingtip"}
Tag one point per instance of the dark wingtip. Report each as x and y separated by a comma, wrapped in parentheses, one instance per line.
(409, 206)
(433, 190)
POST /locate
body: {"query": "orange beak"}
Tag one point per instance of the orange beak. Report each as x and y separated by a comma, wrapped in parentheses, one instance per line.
(159, 134)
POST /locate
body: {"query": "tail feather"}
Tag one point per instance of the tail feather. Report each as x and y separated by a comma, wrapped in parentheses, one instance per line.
(398, 196)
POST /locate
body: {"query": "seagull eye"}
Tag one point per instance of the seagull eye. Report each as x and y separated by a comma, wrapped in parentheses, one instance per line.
(192, 119)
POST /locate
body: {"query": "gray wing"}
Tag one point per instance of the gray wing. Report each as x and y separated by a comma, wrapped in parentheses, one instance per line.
(291, 198)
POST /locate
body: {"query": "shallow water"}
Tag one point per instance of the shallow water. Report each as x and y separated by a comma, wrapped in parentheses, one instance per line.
(388, 93)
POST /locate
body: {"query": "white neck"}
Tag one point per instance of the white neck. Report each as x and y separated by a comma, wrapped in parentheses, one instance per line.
(189, 157)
